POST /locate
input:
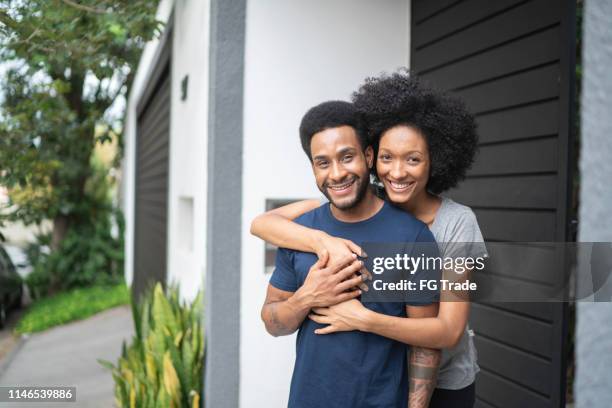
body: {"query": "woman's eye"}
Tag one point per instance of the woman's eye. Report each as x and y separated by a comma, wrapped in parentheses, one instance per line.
(414, 160)
(384, 157)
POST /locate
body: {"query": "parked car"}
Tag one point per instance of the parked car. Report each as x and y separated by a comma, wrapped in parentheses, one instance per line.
(10, 286)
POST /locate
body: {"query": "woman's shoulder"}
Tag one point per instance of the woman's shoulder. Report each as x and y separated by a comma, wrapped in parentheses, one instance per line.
(456, 228)
(454, 213)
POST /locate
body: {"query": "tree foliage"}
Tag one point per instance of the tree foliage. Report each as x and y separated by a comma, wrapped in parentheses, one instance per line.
(68, 65)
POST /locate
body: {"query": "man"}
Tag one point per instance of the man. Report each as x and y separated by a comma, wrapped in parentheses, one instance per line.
(346, 369)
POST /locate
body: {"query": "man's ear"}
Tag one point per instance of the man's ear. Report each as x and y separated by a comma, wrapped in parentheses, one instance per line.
(369, 155)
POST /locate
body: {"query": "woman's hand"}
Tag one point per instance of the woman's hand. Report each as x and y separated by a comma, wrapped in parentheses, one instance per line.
(345, 316)
(338, 249)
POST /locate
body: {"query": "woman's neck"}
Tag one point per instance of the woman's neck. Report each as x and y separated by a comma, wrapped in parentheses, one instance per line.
(424, 207)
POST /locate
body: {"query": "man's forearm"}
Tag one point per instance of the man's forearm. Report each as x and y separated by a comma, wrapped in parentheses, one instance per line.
(283, 317)
(424, 365)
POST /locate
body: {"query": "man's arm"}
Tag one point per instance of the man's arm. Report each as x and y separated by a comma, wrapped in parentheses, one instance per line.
(423, 363)
(283, 312)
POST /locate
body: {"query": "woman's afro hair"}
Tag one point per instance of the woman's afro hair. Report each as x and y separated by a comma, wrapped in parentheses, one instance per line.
(449, 129)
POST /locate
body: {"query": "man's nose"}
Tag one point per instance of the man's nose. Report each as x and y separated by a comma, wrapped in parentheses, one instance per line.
(338, 172)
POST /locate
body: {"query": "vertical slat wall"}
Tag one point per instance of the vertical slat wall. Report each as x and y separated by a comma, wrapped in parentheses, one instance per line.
(152, 150)
(511, 63)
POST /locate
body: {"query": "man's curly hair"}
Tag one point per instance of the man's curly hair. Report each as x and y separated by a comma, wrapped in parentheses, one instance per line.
(449, 129)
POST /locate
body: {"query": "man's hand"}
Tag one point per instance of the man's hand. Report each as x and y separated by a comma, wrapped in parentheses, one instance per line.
(345, 316)
(283, 312)
(329, 285)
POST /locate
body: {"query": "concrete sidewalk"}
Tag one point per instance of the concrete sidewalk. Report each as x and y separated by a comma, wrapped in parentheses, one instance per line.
(67, 356)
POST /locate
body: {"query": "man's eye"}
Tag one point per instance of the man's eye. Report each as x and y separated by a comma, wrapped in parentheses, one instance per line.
(322, 164)
(347, 158)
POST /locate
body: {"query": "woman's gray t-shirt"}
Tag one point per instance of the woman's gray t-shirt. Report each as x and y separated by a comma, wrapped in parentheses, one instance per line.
(457, 233)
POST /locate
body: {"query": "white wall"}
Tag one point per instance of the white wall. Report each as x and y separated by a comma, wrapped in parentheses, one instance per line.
(188, 147)
(188, 144)
(298, 53)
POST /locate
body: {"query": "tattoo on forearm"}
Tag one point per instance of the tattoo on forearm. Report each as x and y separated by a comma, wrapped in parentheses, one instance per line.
(275, 323)
(423, 372)
(274, 320)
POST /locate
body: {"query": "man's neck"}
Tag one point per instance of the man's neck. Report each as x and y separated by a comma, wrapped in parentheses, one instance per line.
(366, 208)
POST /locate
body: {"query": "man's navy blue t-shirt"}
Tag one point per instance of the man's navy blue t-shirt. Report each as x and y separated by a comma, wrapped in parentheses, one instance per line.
(348, 369)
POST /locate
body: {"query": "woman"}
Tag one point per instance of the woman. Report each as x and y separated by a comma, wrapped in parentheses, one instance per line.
(424, 142)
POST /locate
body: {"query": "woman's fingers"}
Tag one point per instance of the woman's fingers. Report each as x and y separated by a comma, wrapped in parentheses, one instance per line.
(323, 311)
(322, 261)
(355, 248)
(342, 263)
(326, 330)
(319, 319)
(349, 271)
(349, 295)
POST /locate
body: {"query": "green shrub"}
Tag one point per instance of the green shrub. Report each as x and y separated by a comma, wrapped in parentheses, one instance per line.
(91, 252)
(163, 367)
(89, 255)
(72, 305)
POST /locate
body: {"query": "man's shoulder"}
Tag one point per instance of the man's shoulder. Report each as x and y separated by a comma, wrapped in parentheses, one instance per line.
(403, 217)
(401, 226)
(312, 217)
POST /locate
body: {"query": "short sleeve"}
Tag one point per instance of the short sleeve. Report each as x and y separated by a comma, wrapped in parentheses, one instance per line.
(465, 239)
(425, 247)
(284, 276)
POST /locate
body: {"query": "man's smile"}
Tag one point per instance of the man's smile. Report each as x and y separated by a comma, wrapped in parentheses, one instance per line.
(342, 189)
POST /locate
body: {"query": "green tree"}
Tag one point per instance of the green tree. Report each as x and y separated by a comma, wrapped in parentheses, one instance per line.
(67, 63)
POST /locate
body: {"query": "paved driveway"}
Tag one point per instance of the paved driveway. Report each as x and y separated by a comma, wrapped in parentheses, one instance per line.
(66, 356)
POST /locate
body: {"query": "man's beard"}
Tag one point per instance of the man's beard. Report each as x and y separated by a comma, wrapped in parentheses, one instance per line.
(362, 184)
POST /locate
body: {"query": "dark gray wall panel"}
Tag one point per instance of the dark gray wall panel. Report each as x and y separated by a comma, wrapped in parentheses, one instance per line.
(522, 157)
(517, 331)
(539, 119)
(525, 87)
(520, 192)
(508, 394)
(510, 362)
(523, 53)
(520, 21)
(462, 15)
(423, 9)
(511, 62)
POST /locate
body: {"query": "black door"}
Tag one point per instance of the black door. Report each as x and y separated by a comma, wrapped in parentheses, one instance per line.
(152, 150)
(512, 63)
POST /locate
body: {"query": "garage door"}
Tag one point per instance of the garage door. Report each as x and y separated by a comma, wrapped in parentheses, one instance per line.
(151, 206)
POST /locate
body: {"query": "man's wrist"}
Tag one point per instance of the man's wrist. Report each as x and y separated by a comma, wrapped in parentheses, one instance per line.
(301, 301)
